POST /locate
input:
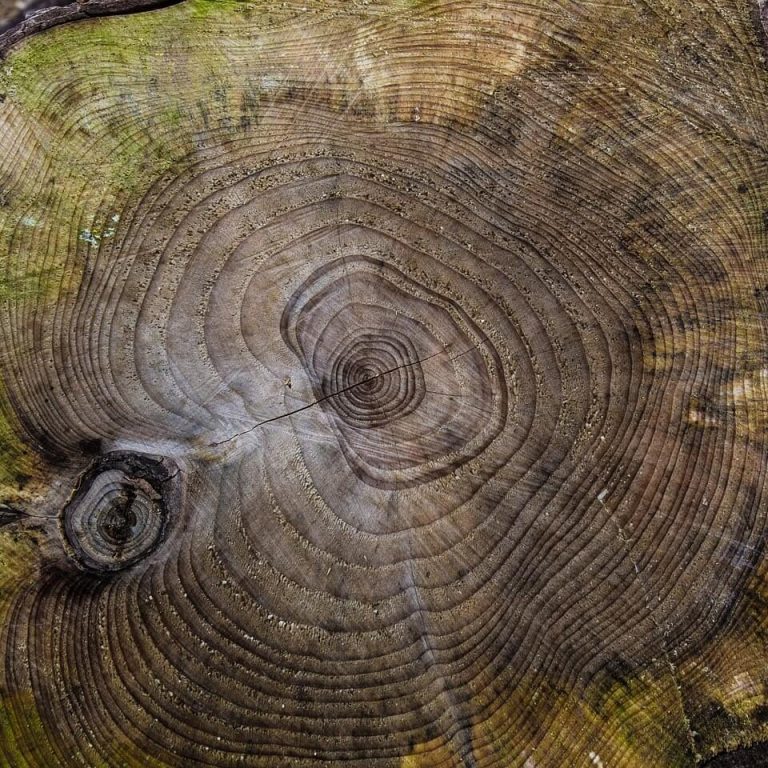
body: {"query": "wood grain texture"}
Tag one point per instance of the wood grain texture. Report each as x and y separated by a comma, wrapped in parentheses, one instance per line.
(385, 384)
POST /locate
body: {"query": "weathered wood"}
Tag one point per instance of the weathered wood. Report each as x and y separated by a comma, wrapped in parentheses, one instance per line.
(385, 383)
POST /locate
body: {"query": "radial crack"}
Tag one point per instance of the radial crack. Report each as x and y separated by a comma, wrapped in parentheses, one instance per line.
(338, 392)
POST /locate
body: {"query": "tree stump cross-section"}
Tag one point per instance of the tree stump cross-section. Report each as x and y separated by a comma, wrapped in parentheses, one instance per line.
(384, 383)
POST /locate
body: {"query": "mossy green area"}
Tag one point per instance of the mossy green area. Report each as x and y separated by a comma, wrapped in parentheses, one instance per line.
(18, 463)
(725, 683)
(668, 715)
(72, 153)
(20, 722)
(24, 740)
(633, 720)
(19, 715)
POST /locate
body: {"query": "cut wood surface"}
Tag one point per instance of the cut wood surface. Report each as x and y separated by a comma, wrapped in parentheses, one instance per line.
(384, 384)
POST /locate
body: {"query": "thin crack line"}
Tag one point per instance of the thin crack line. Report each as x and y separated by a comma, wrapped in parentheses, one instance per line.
(217, 443)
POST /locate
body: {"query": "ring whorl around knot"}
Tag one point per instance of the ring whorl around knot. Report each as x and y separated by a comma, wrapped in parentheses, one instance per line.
(413, 386)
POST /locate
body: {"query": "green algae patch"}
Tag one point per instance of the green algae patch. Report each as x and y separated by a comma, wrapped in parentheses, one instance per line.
(432, 754)
(647, 716)
(73, 154)
(726, 683)
(22, 734)
(630, 722)
(25, 742)
(18, 463)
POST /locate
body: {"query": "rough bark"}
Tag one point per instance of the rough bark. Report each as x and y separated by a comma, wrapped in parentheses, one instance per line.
(384, 383)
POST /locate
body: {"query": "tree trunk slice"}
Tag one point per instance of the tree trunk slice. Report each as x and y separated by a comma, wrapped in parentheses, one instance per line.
(385, 384)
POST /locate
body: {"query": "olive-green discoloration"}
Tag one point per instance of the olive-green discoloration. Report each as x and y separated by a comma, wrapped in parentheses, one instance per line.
(727, 682)
(628, 721)
(670, 715)
(18, 715)
(18, 463)
(20, 723)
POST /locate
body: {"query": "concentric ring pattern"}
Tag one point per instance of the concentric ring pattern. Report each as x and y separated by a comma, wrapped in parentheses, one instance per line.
(118, 514)
(408, 385)
(456, 401)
